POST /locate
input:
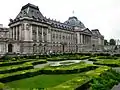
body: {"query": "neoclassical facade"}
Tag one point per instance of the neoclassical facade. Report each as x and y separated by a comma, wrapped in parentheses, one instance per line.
(32, 33)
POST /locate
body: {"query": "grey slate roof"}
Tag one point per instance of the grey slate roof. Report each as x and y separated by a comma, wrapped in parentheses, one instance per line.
(30, 11)
(96, 32)
(73, 21)
(59, 25)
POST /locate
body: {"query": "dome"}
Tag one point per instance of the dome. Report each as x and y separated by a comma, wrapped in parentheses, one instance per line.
(73, 21)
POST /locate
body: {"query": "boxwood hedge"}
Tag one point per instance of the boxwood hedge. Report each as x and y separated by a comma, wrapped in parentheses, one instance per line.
(75, 68)
(14, 68)
(108, 62)
(81, 82)
(19, 75)
(25, 66)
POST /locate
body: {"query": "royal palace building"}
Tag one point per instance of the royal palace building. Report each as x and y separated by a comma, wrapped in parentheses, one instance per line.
(32, 33)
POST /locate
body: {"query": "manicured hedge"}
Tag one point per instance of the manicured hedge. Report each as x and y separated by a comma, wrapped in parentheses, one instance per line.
(34, 61)
(2, 86)
(25, 66)
(14, 62)
(75, 57)
(19, 75)
(112, 63)
(92, 59)
(81, 82)
(39, 61)
(14, 68)
(105, 81)
(101, 54)
(97, 72)
(56, 59)
(75, 68)
(106, 57)
(78, 83)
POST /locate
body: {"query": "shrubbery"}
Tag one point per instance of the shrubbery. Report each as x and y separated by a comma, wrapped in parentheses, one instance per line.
(106, 81)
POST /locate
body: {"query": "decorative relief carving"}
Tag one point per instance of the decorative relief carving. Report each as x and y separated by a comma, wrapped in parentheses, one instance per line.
(27, 26)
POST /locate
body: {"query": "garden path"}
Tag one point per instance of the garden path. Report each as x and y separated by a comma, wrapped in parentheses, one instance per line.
(116, 87)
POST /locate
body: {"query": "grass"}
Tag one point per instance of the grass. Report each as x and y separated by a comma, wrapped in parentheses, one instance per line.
(41, 81)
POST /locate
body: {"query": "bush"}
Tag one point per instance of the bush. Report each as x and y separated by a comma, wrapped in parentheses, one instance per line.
(106, 81)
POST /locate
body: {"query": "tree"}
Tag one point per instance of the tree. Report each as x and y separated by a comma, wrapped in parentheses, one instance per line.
(105, 42)
(112, 42)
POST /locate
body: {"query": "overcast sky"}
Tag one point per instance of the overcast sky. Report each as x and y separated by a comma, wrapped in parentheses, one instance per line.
(101, 14)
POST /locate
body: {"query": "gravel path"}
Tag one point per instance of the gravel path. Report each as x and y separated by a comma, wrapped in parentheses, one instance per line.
(116, 87)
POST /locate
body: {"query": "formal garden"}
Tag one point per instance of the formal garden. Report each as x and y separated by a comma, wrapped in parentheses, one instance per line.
(73, 71)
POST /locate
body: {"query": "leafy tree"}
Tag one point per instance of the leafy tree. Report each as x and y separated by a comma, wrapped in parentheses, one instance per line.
(105, 42)
(112, 42)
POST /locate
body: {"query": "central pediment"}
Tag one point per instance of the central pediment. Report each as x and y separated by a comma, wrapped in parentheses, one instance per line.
(87, 31)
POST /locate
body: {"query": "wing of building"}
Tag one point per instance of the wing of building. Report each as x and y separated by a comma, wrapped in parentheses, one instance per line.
(30, 32)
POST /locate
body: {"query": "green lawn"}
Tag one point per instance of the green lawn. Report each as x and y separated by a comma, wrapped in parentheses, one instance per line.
(41, 81)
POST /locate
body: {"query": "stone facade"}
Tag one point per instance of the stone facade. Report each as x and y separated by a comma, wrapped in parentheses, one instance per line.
(32, 33)
(4, 36)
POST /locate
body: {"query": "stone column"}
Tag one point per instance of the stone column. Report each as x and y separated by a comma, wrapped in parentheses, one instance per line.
(37, 35)
(81, 39)
(42, 35)
(16, 32)
(85, 39)
(78, 37)
(13, 33)
(31, 33)
(20, 29)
